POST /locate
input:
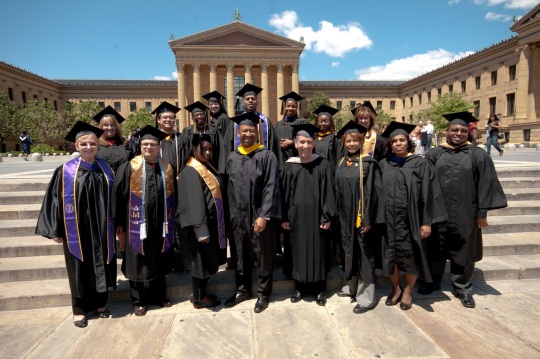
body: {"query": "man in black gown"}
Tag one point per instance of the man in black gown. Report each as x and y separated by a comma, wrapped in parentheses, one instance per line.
(469, 187)
(254, 208)
(144, 207)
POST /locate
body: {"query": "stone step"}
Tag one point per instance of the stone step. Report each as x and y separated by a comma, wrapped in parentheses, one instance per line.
(501, 244)
(517, 208)
(512, 224)
(17, 227)
(522, 194)
(517, 172)
(520, 182)
(28, 246)
(26, 197)
(22, 186)
(19, 211)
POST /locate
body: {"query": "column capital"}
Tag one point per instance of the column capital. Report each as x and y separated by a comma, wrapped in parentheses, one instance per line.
(280, 68)
(196, 67)
(230, 67)
(295, 67)
(181, 67)
(247, 67)
(264, 68)
(213, 67)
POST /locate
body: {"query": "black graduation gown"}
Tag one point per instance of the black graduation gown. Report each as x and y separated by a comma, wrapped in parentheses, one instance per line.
(358, 249)
(153, 264)
(254, 190)
(216, 145)
(93, 275)
(309, 200)
(330, 148)
(221, 123)
(197, 213)
(469, 187)
(407, 204)
(284, 130)
(174, 150)
(116, 154)
(379, 150)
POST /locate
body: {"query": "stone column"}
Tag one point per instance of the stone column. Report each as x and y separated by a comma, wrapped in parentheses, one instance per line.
(181, 118)
(196, 82)
(523, 83)
(280, 85)
(213, 78)
(247, 73)
(264, 96)
(295, 82)
(230, 90)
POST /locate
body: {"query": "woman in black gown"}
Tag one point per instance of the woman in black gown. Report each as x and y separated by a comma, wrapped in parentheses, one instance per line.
(76, 212)
(366, 116)
(326, 142)
(113, 147)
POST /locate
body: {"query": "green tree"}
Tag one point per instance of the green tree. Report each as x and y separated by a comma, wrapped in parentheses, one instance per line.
(382, 119)
(447, 103)
(9, 126)
(318, 98)
(42, 121)
(138, 119)
(81, 111)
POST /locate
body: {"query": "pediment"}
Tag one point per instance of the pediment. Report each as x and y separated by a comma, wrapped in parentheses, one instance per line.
(236, 38)
(532, 17)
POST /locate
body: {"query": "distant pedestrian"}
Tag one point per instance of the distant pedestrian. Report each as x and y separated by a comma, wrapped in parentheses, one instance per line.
(493, 138)
(26, 142)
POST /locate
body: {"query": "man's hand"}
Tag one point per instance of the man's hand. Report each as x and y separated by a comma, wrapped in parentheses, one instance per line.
(425, 231)
(325, 225)
(58, 239)
(286, 225)
(260, 225)
(284, 143)
(481, 222)
(364, 229)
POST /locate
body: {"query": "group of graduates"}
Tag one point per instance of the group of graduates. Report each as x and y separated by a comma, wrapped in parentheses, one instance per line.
(299, 190)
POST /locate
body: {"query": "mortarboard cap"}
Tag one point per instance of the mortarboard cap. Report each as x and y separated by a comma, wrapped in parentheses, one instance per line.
(460, 118)
(308, 128)
(351, 127)
(165, 107)
(365, 104)
(196, 107)
(249, 89)
(82, 129)
(197, 138)
(213, 96)
(109, 111)
(150, 133)
(397, 128)
(291, 96)
(247, 118)
(326, 110)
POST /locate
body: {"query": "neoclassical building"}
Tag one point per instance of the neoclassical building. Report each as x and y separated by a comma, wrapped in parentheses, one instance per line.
(503, 78)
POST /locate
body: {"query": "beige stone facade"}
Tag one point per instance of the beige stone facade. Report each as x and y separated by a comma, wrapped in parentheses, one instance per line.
(503, 78)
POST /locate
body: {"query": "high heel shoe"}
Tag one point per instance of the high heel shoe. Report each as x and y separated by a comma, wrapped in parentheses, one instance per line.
(390, 302)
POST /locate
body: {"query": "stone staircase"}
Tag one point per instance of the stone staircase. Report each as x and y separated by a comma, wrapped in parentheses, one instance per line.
(33, 274)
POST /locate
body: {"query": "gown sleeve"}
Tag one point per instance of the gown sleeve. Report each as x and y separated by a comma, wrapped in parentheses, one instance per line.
(328, 199)
(50, 222)
(192, 205)
(490, 194)
(271, 206)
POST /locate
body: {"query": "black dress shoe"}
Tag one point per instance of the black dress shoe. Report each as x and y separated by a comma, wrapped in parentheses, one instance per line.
(428, 288)
(164, 303)
(466, 299)
(344, 294)
(139, 310)
(103, 314)
(206, 302)
(262, 304)
(358, 309)
(237, 299)
(211, 296)
(321, 299)
(83, 323)
(297, 296)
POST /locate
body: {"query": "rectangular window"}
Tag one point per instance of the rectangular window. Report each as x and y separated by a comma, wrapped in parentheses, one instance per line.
(46, 100)
(10, 93)
(339, 104)
(132, 106)
(148, 106)
(476, 110)
(379, 105)
(238, 83)
(176, 103)
(403, 103)
(450, 88)
(55, 105)
(463, 86)
(392, 105)
(35, 98)
(493, 78)
(477, 82)
(101, 104)
(420, 99)
(492, 105)
(117, 106)
(439, 92)
(429, 97)
(512, 72)
(23, 94)
(510, 104)
(411, 101)
(526, 135)
(352, 105)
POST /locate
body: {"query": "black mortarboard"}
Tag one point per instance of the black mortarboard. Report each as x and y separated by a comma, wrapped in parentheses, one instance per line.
(213, 96)
(326, 110)
(196, 107)
(306, 127)
(165, 107)
(351, 127)
(365, 104)
(397, 128)
(82, 129)
(247, 118)
(291, 96)
(109, 111)
(150, 133)
(197, 138)
(460, 118)
(249, 89)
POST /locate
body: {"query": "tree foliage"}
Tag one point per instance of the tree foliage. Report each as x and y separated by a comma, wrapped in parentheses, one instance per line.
(138, 119)
(447, 103)
(42, 121)
(382, 119)
(9, 126)
(318, 99)
(81, 111)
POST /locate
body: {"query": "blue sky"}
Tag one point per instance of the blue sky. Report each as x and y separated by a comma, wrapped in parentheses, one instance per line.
(345, 40)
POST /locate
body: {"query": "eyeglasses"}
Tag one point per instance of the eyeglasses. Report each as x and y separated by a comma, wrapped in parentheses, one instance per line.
(149, 144)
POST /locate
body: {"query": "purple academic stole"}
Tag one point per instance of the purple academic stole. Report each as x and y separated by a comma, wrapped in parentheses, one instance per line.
(135, 205)
(213, 184)
(263, 123)
(69, 186)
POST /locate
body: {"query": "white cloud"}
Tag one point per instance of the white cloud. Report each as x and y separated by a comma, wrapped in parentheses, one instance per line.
(335, 64)
(174, 75)
(334, 41)
(509, 4)
(453, 2)
(491, 16)
(410, 67)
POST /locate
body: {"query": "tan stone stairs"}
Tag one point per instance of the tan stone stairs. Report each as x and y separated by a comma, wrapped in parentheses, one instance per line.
(33, 274)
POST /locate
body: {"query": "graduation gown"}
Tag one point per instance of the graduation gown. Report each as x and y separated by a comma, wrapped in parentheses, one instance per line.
(197, 213)
(284, 130)
(374, 146)
(254, 190)
(154, 264)
(116, 154)
(406, 205)
(92, 274)
(358, 249)
(216, 145)
(329, 147)
(220, 123)
(308, 201)
(468, 188)
(174, 150)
